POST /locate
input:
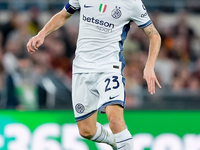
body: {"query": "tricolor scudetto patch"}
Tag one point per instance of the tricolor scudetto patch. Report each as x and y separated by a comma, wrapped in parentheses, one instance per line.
(102, 8)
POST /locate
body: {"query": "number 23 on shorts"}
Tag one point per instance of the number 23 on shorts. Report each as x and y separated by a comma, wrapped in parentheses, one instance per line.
(114, 79)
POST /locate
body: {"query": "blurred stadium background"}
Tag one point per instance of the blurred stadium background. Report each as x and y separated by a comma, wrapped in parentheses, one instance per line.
(41, 83)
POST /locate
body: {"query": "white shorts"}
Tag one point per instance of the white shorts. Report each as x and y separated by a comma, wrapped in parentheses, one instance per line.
(95, 91)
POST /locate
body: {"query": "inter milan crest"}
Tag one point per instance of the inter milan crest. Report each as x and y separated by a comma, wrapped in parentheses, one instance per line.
(116, 13)
(80, 108)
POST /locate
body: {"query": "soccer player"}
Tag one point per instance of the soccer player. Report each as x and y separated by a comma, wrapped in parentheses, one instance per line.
(98, 82)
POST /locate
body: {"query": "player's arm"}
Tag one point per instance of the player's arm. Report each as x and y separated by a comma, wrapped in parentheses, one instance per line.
(54, 23)
(154, 47)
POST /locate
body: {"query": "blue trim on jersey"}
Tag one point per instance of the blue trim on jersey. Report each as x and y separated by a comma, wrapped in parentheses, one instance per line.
(115, 102)
(70, 9)
(125, 30)
(121, 59)
(85, 116)
(146, 24)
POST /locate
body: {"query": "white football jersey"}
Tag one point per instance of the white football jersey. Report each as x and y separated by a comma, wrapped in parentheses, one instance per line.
(103, 27)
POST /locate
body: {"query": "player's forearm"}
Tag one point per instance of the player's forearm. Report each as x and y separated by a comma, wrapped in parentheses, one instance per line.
(154, 47)
(55, 23)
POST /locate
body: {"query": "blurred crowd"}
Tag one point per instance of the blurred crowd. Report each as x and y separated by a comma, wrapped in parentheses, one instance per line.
(43, 80)
(177, 66)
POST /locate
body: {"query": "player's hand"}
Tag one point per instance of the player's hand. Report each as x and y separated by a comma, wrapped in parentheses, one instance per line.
(150, 77)
(34, 43)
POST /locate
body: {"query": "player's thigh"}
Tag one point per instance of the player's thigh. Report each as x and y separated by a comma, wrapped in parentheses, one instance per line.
(111, 91)
(84, 98)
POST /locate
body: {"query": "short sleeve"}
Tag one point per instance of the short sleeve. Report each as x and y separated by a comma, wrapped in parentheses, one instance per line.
(140, 15)
(74, 3)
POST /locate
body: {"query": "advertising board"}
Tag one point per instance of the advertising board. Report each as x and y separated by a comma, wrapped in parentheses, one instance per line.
(57, 130)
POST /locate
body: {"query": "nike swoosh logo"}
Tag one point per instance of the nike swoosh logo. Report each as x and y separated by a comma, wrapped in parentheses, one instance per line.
(86, 6)
(121, 147)
(113, 97)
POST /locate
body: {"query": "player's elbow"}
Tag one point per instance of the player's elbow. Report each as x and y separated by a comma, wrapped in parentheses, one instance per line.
(156, 38)
(159, 38)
